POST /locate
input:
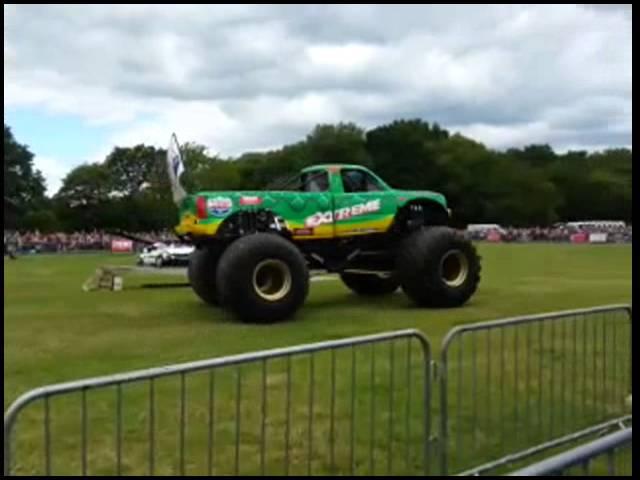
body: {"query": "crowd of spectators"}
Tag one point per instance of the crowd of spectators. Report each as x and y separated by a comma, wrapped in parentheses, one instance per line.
(559, 233)
(36, 242)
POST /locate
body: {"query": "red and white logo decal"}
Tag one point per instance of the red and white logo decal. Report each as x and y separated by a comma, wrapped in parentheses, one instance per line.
(250, 201)
(219, 206)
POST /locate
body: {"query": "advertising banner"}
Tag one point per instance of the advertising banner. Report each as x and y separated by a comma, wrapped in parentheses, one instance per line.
(598, 238)
(579, 238)
(121, 246)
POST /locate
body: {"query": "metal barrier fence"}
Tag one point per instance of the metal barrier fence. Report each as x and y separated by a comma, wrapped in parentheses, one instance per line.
(510, 390)
(510, 385)
(352, 406)
(611, 449)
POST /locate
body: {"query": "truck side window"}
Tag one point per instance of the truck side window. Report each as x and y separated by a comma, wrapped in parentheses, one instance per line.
(315, 182)
(359, 181)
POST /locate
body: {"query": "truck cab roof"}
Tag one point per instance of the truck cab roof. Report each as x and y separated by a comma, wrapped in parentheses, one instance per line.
(334, 170)
(333, 167)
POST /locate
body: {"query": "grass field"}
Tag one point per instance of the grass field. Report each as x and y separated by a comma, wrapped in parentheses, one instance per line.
(55, 332)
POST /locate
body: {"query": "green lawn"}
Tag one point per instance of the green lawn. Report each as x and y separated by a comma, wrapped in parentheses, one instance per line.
(55, 332)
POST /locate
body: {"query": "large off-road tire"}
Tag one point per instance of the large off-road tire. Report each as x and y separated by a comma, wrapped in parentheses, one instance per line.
(370, 285)
(262, 278)
(438, 267)
(202, 273)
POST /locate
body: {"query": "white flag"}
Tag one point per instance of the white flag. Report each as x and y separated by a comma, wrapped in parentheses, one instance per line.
(175, 168)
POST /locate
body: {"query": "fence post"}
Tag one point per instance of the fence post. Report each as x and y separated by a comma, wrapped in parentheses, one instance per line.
(629, 311)
(443, 438)
(7, 447)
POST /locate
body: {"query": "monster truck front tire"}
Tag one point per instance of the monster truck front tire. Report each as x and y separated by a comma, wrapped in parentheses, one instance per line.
(202, 273)
(262, 278)
(438, 267)
(369, 285)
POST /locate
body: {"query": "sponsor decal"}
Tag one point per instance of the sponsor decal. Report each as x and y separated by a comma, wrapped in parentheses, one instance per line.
(494, 236)
(219, 206)
(598, 237)
(320, 218)
(303, 231)
(250, 201)
(121, 246)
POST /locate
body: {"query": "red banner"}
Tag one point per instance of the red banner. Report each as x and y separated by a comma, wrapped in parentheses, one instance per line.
(493, 236)
(579, 238)
(121, 246)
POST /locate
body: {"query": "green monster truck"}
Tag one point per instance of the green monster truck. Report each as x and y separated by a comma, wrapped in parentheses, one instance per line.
(254, 249)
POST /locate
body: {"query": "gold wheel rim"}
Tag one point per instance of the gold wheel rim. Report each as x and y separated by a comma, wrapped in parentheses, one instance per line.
(272, 279)
(454, 268)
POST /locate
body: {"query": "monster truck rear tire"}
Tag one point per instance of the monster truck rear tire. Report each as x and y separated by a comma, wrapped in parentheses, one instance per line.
(438, 267)
(202, 273)
(369, 285)
(262, 278)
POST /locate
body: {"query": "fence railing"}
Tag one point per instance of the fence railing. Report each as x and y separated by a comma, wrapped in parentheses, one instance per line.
(509, 385)
(538, 451)
(610, 448)
(353, 406)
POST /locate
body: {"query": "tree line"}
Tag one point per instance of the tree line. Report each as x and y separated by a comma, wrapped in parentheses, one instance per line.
(129, 190)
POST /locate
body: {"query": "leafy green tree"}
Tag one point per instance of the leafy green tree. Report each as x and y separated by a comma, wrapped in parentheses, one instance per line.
(84, 197)
(24, 185)
(532, 185)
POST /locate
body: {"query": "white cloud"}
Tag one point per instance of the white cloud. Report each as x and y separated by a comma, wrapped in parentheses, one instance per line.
(244, 77)
(507, 136)
(190, 120)
(347, 58)
(53, 171)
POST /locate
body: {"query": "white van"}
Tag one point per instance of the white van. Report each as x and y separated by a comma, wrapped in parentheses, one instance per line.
(596, 225)
(484, 228)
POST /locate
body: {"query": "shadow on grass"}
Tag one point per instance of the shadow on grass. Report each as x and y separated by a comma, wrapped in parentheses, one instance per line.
(163, 285)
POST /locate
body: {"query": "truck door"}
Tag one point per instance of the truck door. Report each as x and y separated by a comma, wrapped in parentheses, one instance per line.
(364, 206)
(311, 209)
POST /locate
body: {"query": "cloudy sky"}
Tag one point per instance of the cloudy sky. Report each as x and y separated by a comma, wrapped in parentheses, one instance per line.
(79, 80)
